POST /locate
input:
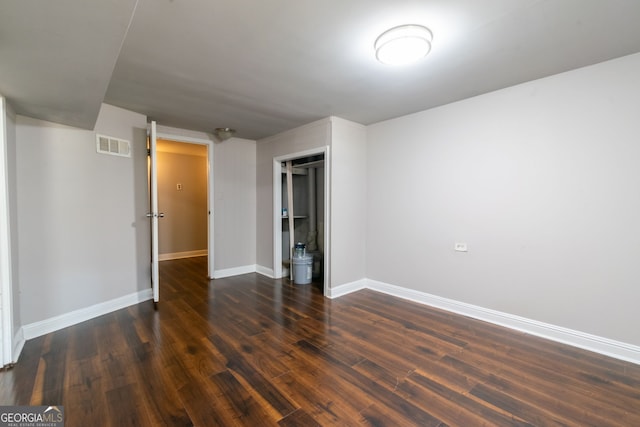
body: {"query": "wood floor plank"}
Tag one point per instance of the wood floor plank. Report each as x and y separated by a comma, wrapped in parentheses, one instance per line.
(555, 379)
(17, 384)
(85, 397)
(248, 350)
(384, 377)
(263, 352)
(237, 363)
(156, 382)
(534, 414)
(125, 407)
(421, 398)
(322, 396)
(372, 388)
(352, 334)
(203, 408)
(502, 353)
(246, 408)
(457, 408)
(552, 397)
(408, 325)
(299, 418)
(55, 368)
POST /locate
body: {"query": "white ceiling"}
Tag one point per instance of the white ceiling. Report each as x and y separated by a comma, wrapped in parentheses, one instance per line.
(266, 66)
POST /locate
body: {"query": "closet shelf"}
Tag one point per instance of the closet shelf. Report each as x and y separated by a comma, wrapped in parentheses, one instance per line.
(295, 217)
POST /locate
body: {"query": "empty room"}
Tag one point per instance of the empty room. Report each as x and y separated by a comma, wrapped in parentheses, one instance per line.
(295, 213)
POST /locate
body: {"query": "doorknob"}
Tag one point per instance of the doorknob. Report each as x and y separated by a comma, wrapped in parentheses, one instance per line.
(161, 215)
(149, 215)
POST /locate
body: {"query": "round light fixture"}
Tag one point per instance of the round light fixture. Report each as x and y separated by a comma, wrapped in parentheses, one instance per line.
(224, 133)
(403, 44)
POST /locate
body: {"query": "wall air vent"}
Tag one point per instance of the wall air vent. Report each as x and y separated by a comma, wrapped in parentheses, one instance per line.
(113, 146)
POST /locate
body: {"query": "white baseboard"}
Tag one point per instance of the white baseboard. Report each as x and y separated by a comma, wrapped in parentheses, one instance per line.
(265, 271)
(347, 288)
(46, 326)
(18, 344)
(235, 271)
(180, 255)
(597, 344)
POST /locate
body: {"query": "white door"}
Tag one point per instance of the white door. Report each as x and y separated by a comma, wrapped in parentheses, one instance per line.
(153, 213)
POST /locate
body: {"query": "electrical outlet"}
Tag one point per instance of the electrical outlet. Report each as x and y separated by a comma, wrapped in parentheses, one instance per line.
(460, 247)
(179, 187)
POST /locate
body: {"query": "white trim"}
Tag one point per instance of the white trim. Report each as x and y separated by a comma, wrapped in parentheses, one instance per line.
(583, 340)
(6, 293)
(347, 288)
(18, 344)
(327, 216)
(53, 324)
(235, 271)
(277, 219)
(265, 271)
(210, 210)
(180, 255)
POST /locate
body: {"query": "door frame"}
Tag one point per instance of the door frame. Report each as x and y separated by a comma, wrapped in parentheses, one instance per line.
(210, 190)
(277, 210)
(6, 296)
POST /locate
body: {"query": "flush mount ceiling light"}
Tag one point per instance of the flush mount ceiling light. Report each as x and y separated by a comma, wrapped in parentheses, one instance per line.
(222, 134)
(403, 44)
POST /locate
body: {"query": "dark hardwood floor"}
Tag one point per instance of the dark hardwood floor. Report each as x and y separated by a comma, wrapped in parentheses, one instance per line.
(252, 351)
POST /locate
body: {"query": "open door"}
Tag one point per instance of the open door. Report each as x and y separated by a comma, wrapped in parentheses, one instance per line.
(153, 213)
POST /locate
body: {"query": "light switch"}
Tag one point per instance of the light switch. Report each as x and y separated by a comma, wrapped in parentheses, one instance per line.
(179, 187)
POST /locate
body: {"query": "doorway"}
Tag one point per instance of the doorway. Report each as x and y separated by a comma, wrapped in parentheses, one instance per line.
(185, 198)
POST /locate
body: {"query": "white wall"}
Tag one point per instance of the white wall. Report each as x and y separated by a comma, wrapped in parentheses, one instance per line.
(235, 203)
(348, 201)
(83, 234)
(541, 180)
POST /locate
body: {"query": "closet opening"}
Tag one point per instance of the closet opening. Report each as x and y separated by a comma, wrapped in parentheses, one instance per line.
(301, 216)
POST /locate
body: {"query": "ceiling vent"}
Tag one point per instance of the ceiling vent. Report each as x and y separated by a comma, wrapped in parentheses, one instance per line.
(113, 146)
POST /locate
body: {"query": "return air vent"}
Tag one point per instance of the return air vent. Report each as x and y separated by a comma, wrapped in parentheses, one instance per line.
(113, 146)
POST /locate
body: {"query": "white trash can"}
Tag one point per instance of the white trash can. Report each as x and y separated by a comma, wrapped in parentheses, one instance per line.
(302, 269)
